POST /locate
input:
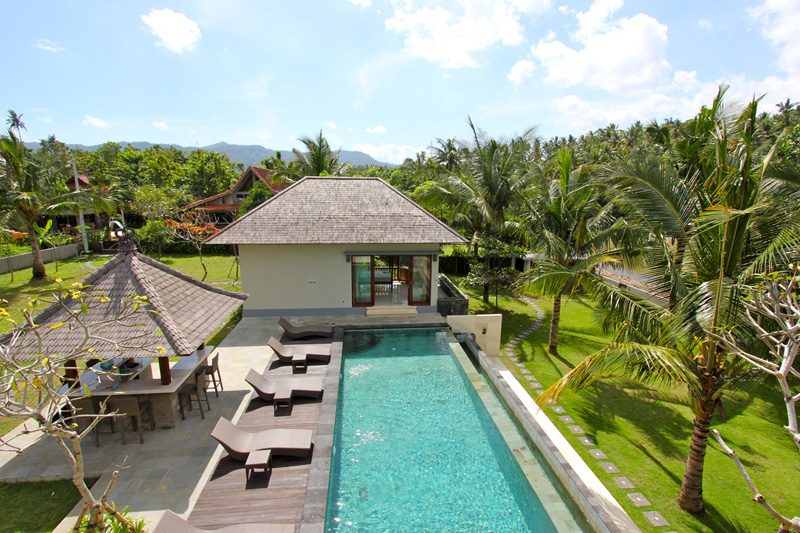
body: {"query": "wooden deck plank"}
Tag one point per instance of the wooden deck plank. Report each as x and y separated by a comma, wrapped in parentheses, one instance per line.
(229, 498)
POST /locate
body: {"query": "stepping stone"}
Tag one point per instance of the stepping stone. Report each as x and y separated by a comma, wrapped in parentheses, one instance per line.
(566, 419)
(576, 429)
(586, 441)
(597, 453)
(655, 518)
(526, 372)
(558, 409)
(623, 482)
(611, 468)
(535, 384)
(638, 499)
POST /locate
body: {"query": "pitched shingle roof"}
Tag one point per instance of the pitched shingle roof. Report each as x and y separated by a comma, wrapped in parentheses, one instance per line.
(338, 210)
(182, 312)
(266, 176)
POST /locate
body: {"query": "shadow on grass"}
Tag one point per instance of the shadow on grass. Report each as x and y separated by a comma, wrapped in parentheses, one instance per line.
(665, 427)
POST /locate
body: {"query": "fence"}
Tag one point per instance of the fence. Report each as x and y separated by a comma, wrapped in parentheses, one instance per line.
(22, 261)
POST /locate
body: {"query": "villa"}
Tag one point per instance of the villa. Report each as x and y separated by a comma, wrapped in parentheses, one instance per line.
(224, 206)
(338, 245)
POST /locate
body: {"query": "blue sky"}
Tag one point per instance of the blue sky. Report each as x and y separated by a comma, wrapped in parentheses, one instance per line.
(383, 77)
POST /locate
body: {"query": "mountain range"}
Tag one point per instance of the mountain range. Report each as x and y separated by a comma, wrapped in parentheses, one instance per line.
(247, 154)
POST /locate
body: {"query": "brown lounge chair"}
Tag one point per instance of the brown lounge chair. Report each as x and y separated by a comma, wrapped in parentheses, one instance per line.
(288, 387)
(172, 523)
(305, 332)
(239, 443)
(298, 355)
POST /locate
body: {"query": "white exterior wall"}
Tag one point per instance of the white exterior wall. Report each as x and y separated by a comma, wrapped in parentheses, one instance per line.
(310, 276)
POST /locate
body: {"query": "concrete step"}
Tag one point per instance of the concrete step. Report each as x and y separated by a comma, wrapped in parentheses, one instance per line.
(384, 310)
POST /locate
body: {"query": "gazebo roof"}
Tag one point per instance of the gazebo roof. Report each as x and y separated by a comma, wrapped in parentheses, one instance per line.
(181, 314)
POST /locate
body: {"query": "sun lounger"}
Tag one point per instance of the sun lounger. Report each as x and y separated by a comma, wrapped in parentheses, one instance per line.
(305, 332)
(239, 443)
(298, 355)
(285, 387)
(172, 523)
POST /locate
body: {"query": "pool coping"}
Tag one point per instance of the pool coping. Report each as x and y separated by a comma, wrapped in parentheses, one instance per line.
(598, 505)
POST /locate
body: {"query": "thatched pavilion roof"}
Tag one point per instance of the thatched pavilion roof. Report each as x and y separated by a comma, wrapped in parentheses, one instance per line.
(181, 314)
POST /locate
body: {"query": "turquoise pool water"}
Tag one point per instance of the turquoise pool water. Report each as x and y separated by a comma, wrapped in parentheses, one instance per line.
(414, 447)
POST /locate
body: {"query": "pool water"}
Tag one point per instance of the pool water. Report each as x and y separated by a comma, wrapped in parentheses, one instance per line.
(414, 447)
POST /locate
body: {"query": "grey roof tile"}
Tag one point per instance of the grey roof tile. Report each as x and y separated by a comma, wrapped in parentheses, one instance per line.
(338, 210)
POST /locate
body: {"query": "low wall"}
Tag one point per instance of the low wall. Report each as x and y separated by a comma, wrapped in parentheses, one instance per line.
(455, 303)
(23, 261)
(486, 329)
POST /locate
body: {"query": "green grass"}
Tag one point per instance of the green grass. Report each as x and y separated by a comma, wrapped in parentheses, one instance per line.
(645, 430)
(35, 507)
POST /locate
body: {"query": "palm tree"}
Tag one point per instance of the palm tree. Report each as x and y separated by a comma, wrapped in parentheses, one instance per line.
(14, 121)
(710, 206)
(28, 193)
(319, 159)
(574, 232)
(482, 189)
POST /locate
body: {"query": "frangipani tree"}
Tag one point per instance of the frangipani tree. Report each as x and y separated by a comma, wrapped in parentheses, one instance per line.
(31, 388)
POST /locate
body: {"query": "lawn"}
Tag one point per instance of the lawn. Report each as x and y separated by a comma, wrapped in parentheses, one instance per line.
(645, 430)
(35, 507)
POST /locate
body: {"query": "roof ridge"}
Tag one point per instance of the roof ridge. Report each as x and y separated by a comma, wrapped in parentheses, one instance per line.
(422, 209)
(194, 281)
(172, 333)
(257, 209)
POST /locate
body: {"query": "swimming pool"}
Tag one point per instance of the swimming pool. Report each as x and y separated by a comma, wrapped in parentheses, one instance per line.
(415, 448)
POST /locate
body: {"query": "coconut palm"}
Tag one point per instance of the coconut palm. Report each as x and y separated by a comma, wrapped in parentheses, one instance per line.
(574, 232)
(30, 192)
(484, 187)
(319, 159)
(710, 206)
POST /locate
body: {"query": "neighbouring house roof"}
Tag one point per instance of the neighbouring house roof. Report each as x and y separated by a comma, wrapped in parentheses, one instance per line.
(338, 210)
(182, 312)
(263, 174)
(83, 181)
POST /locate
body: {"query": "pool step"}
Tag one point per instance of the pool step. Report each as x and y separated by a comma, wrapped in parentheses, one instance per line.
(385, 310)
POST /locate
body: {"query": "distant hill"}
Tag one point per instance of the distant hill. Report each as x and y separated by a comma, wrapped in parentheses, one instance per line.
(247, 154)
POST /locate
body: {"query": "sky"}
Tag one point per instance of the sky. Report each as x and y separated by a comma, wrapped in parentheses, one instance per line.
(386, 77)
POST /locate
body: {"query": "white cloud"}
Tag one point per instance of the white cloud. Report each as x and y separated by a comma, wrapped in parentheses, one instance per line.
(704, 24)
(330, 125)
(779, 22)
(612, 54)
(520, 71)
(50, 46)
(361, 3)
(451, 37)
(378, 128)
(89, 120)
(174, 31)
(389, 153)
(161, 125)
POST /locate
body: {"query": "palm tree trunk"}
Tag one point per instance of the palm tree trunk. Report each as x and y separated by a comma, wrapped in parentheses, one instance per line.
(39, 271)
(691, 498)
(553, 343)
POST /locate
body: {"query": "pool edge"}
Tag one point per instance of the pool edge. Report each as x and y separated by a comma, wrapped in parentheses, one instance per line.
(598, 505)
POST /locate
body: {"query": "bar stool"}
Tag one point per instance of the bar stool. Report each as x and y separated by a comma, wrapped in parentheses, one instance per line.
(212, 371)
(128, 408)
(196, 387)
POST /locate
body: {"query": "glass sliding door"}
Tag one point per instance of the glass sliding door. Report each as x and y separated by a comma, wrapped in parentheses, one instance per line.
(420, 287)
(363, 287)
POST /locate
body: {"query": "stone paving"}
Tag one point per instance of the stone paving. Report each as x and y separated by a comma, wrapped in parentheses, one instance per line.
(638, 499)
(173, 465)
